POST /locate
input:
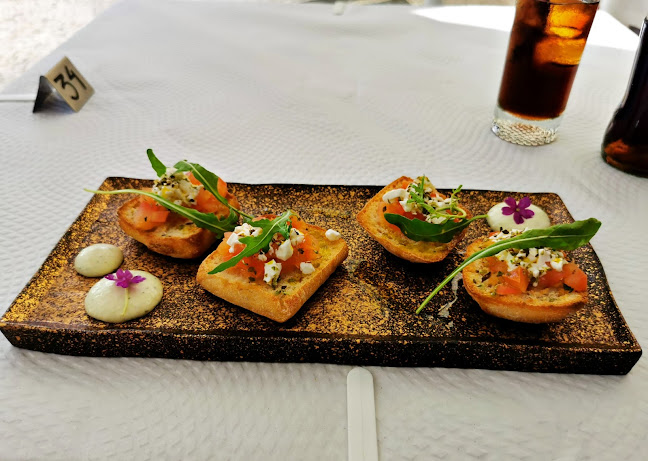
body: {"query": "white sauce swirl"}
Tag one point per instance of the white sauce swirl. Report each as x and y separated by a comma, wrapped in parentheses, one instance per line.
(98, 260)
(105, 301)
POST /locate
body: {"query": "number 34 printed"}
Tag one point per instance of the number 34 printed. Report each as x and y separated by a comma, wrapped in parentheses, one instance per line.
(65, 80)
(70, 81)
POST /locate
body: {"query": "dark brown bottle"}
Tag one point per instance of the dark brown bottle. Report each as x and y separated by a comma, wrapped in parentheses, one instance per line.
(625, 145)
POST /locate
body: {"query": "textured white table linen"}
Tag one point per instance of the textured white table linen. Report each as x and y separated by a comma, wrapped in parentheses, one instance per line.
(295, 94)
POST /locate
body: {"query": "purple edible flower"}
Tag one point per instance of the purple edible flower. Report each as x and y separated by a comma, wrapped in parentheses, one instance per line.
(125, 279)
(519, 210)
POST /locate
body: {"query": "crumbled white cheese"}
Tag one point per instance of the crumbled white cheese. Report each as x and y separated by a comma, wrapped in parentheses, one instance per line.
(536, 261)
(285, 250)
(271, 271)
(430, 197)
(296, 237)
(262, 257)
(177, 187)
(232, 240)
(306, 268)
(557, 263)
(244, 230)
(506, 234)
(409, 207)
(332, 235)
(395, 195)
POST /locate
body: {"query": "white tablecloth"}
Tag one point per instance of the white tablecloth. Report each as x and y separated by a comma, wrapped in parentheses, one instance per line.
(296, 94)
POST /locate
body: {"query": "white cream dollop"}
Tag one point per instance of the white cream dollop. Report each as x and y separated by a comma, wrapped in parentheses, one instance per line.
(98, 260)
(105, 301)
(497, 220)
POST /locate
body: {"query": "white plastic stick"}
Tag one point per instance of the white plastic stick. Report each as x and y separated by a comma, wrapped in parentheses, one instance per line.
(361, 414)
(17, 97)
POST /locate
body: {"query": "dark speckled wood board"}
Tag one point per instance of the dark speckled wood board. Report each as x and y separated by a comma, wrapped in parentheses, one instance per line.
(363, 315)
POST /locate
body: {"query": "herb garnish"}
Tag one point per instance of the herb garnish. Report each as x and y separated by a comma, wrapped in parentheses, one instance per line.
(418, 230)
(261, 242)
(208, 221)
(209, 180)
(565, 237)
(158, 166)
(454, 217)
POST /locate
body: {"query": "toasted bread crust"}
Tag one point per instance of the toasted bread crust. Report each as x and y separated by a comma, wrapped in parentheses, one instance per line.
(177, 237)
(371, 217)
(259, 297)
(535, 306)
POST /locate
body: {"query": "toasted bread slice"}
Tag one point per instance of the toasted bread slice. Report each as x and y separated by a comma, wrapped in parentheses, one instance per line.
(177, 237)
(371, 217)
(282, 302)
(535, 306)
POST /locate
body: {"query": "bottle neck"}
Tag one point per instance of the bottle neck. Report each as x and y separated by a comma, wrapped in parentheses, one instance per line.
(638, 85)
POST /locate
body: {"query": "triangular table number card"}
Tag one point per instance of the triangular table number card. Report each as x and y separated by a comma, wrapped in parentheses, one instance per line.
(65, 80)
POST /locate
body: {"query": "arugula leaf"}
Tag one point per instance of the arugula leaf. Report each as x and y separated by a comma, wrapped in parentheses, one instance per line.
(209, 180)
(253, 245)
(157, 165)
(208, 221)
(559, 237)
(418, 230)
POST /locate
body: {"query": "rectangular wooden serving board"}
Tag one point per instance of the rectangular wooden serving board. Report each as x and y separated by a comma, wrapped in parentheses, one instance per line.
(363, 315)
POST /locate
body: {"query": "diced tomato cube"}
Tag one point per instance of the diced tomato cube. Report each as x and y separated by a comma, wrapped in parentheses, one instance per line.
(149, 214)
(518, 279)
(496, 266)
(192, 179)
(222, 188)
(551, 278)
(207, 202)
(159, 216)
(575, 277)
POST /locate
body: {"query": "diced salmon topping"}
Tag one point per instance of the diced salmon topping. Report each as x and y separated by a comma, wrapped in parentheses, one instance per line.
(252, 267)
(150, 214)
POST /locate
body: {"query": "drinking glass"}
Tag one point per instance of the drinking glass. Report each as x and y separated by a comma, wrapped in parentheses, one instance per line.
(545, 48)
